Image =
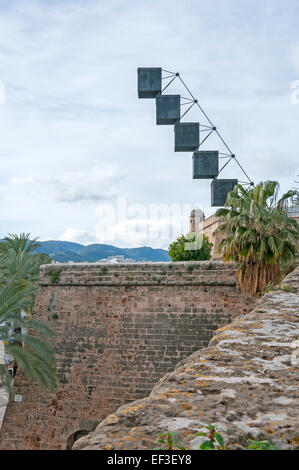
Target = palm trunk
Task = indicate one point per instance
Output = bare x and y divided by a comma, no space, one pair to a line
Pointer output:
256,276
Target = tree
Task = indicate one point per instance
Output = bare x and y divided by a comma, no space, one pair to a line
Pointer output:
44,258
19,273
259,236
191,247
17,261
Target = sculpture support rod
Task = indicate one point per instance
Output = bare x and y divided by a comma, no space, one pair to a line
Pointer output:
208,119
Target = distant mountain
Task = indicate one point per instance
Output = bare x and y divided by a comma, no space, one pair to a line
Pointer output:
67,251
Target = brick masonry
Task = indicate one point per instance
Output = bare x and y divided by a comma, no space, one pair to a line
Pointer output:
119,328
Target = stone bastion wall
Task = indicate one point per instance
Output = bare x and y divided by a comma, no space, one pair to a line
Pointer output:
120,328
245,383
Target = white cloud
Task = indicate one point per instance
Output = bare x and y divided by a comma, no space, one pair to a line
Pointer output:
77,236
89,185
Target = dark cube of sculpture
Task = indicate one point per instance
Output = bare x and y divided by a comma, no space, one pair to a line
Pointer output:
186,136
168,109
220,189
205,164
149,82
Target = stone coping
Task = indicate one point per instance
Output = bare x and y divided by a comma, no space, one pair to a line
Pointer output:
207,264
197,273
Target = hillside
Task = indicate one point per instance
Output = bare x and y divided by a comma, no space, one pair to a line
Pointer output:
62,252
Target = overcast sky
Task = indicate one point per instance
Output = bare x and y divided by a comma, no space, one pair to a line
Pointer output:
76,140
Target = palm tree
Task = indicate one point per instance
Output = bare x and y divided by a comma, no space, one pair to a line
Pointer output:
33,355
16,253
19,273
259,236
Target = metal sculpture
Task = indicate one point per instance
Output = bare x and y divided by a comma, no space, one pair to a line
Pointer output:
187,134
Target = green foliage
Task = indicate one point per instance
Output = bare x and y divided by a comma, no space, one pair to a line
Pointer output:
27,341
271,287
207,445
44,258
54,275
170,441
259,236
18,263
214,439
261,445
191,247
190,267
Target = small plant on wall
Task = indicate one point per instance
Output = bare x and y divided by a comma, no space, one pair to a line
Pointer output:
213,441
169,441
54,275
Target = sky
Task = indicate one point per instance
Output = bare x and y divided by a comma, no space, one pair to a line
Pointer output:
81,156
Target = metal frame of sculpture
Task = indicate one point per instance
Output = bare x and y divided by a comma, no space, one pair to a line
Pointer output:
187,135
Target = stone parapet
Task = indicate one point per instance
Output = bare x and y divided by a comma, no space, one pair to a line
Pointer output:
139,274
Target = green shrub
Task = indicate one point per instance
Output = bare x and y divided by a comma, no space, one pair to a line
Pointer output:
191,247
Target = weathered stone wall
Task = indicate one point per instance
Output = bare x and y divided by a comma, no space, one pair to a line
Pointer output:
245,382
120,328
